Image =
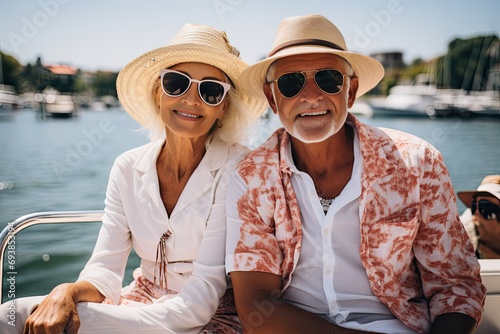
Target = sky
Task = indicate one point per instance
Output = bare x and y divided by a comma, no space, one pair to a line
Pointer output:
107,34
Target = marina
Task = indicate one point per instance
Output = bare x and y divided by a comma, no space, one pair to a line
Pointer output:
59,165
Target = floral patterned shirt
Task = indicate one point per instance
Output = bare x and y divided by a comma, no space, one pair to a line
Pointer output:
417,255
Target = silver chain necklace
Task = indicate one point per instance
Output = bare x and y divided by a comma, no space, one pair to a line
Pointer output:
326,202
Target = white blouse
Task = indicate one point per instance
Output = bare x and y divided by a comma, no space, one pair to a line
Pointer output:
134,216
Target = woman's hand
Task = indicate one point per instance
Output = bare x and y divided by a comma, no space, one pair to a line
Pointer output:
57,313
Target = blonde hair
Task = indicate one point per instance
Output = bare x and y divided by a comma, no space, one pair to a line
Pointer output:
235,122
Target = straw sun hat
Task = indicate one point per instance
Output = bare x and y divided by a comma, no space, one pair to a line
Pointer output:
193,43
312,34
490,186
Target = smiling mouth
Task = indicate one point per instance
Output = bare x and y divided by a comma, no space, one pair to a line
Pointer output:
316,113
187,115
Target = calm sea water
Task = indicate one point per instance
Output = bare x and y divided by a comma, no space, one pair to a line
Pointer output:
63,164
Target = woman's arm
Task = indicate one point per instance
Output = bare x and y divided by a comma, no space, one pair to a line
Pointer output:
57,311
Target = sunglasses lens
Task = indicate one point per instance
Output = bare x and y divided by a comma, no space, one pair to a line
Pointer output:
211,92
291,84
330,81
487,209
175,84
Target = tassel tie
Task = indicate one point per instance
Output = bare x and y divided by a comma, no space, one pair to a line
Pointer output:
161,260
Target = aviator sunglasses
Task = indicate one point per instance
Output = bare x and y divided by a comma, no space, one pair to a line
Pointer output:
486,208
175,84
329,81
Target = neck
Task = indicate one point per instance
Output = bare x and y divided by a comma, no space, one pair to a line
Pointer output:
329,163
333,153
180,156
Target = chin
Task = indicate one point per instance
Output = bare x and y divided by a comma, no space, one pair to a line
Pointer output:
312,137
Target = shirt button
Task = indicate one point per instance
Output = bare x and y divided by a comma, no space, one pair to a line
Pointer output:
379,283
328,271
325,231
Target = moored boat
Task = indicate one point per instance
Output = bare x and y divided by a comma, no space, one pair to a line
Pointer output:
56,104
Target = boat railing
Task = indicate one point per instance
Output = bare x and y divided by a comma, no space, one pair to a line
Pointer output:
7,236
490,269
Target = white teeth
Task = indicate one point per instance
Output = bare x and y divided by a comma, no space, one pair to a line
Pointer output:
187,115
318,113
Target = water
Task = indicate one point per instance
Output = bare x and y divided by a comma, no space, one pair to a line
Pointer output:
63,164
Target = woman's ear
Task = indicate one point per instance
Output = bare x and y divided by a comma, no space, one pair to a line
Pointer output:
157,95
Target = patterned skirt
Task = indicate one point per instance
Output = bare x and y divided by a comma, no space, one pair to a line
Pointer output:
142,291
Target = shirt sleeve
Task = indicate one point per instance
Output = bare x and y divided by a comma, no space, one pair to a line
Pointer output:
251,243
450,271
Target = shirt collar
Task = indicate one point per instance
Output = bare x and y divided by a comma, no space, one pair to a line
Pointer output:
214,158
373,156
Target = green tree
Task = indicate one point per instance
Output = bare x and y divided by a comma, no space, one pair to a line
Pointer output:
468,62
104,83
410,73
34,78
9,70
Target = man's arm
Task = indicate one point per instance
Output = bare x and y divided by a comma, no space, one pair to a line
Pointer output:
453,323
257,296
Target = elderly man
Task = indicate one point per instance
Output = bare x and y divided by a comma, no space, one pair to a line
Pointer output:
335,226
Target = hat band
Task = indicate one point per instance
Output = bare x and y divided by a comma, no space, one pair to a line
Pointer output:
311,41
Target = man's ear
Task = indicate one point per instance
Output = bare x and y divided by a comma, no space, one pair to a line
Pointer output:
270,97
353,89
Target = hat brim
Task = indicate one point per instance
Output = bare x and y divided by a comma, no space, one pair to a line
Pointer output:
467,196
368,70
135,81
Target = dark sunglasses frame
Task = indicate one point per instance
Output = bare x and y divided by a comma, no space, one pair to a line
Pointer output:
304,76
487,209
225,86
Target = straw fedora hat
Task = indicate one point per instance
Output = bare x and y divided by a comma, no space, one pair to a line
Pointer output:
193,43
312,34
490,186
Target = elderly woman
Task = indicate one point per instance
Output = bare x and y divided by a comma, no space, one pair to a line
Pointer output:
166,199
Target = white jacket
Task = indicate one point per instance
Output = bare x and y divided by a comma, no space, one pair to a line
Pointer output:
136,217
